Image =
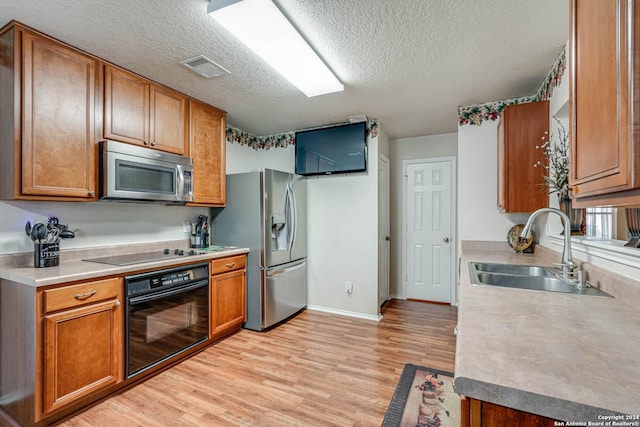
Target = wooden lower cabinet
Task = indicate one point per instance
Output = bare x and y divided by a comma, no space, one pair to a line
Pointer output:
228,295
82,342
476,413
64,344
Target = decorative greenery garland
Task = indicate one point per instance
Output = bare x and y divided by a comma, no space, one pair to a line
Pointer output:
476,114
278,140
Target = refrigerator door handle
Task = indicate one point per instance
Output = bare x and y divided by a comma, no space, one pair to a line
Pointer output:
290,217
294,215
294,267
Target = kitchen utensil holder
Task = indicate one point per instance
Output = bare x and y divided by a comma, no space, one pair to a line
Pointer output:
199,240
46,255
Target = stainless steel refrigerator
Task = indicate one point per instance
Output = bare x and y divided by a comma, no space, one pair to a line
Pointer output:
266,212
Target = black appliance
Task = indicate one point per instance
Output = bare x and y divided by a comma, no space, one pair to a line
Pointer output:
140,258
167,313
331,150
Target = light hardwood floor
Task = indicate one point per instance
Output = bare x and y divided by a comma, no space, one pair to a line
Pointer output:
317,369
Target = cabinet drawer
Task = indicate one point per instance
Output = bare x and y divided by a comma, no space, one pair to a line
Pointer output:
224,265
75,295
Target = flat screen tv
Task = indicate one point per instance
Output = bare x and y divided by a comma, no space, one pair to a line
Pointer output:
332,150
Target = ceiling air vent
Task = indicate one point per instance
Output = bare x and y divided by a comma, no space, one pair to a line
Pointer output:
205,67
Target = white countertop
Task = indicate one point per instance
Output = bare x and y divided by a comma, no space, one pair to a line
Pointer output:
567,357
70,271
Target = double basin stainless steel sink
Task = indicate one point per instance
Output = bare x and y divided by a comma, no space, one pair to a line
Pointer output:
530,277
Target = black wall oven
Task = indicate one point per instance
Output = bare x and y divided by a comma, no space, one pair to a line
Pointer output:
167,313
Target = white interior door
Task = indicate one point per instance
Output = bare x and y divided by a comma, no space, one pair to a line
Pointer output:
383,230
429,237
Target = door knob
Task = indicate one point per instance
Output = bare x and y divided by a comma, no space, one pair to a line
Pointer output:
446,240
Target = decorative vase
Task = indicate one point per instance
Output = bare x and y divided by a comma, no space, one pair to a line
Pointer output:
576,216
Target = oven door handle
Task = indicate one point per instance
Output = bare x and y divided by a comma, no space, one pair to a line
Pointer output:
155,296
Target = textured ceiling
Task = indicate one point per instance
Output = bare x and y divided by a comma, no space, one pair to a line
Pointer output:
408,63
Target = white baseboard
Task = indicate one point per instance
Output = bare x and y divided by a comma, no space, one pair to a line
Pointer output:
345,313
401,297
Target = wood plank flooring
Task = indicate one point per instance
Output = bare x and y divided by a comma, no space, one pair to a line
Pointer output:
317,369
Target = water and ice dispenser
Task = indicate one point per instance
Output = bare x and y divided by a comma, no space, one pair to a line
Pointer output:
279,232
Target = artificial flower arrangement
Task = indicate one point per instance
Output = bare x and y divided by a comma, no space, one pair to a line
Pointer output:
557,167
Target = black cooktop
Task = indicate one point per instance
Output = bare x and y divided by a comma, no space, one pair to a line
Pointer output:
141,258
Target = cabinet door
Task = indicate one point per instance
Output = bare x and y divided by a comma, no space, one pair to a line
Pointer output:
521,185
58,127
605,155
82,348
168,120
126,107
228,308
207,145
476,413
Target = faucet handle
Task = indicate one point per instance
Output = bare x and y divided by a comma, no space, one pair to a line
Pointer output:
571,264
581,278
577,277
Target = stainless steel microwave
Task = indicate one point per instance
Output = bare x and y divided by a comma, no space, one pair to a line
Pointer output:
129,172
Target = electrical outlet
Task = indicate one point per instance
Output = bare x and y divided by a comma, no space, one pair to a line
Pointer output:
348,288
186,227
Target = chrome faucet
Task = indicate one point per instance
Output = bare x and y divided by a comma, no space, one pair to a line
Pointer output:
568,264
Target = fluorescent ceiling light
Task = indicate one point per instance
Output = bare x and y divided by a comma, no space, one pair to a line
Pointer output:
261,26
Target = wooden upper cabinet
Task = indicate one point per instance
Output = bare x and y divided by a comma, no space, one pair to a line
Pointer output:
207,145
521,186
168,120
49,113
605,147
138,111
126,107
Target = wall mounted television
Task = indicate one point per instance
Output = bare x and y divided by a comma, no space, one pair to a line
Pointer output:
332,149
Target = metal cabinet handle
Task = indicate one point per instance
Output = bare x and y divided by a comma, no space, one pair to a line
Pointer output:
91,193
446,240
116,303
85,296
230,264
146,142
153,144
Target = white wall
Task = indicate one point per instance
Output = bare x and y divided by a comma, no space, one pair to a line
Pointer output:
478,216
445,145
342,215
383,144
342,212
282,159
241,158
559,108
99,223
